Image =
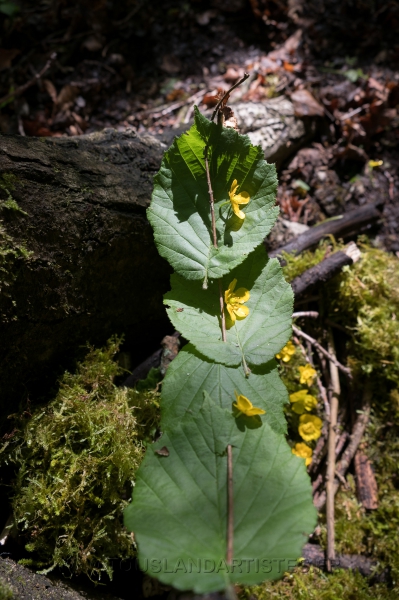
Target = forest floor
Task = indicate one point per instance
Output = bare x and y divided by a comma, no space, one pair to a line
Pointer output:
130,65
124,65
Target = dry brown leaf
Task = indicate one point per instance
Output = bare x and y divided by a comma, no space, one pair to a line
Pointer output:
66,97
50,89
305,105
171,64
233,74
6,57
92,44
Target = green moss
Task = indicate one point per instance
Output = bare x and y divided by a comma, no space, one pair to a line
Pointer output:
365,300
77,459
298,264
375,533
313,584
7,184
6,592
11,255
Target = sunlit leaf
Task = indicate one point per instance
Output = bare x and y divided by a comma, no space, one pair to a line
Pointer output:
179,509
180,208
190,374
257,338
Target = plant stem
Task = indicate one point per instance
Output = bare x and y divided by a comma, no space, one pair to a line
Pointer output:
215,243
211,198
230,506
335,392
227,94
222,315
230,593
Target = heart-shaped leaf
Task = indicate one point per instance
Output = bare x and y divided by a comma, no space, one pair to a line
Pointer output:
257,338
190,374
180,207
179,509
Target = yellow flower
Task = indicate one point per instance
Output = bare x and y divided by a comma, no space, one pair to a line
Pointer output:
245,406
310,427
303,451
287,352
302,401
237,199
375,163
234,301
307,374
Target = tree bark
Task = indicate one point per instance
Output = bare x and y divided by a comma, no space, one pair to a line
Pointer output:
93,270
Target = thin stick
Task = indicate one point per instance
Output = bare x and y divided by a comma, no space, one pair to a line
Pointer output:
322,389
230,506
227,94
223,316
334,398
20,90
327,354
305,313
355,439
211,198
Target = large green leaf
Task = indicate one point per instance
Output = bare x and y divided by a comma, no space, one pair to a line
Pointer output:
190,374
195,313
179,508
180,209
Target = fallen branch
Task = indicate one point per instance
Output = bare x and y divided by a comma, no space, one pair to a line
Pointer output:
20,90
366,484
314,555
326,269
327,354
342,226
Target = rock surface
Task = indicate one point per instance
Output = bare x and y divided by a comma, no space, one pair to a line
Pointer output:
273,125
28,585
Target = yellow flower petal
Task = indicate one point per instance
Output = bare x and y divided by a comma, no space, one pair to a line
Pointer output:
246,407
241,295
233,188
310,427
302,401
307,374
303,451
240,311
375,163
232,286
242,198
287,352
235,299
230,308
237,199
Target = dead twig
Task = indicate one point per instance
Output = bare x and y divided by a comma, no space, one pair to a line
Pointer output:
366,483
20,90
227,94
305,313
161,111
334,400
327,354
355,439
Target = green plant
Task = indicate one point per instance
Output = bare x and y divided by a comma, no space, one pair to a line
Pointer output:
77,458
220,498
6,592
